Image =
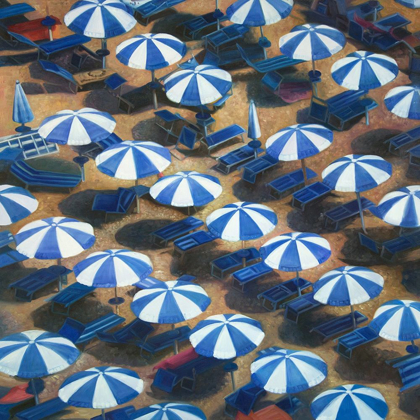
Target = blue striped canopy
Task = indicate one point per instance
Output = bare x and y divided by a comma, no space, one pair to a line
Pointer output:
348,285
356,173
254,130
133,159
295,251
412,4
401,207
113,268
169,411
77,128
286,371
22,112
36,353
259,12
99,18
186,189
404,101
299,141
398,320
203,85
151,51
312,42
364,70
226,336
54,238
16,203
170,302
101,387
241,221
350,402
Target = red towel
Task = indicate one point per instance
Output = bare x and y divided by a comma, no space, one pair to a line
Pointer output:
16,395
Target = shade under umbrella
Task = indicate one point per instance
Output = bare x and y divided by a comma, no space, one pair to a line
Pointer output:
169,411
404,101
22,112
16,203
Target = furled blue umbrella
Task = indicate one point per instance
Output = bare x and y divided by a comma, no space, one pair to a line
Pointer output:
36,353
101,19
77,128
298,142
412,4
259,13
364,70
169,411
404,101
16,203
350,402
101,387
357,173
226,336
151,52
254,130
398,320
22,112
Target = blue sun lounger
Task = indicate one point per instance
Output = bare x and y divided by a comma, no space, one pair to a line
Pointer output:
288,183
398,144
15,10
409,370
300,305
245,276
220,266
43,410
118,203
193,27
225,36
174,230
403,243
370,243
222,136
243,399
136,330
9,256
257,166
192,242
92,150
360,336
153,7
309,195
117,414
232,55
233,159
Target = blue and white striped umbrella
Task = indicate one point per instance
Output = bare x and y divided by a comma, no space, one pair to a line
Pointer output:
241,221
186,189
170,302
169,411
226,336
54,238
203,85
22,112
15,204
288,371
404,101
113,268
364,70
254,130
133,159
77,128
412,4
101,387
350,402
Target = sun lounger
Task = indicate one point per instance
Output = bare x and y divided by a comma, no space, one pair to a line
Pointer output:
339,325
148,282
243,399
8,255
398,361
409,370
118,203
309,195
193,27
347,343
415,156
220,266
242,278
369,243
136,330
257,166
300,305
232,55
222,136
403,243
170,118
225,36
273,297
339,117
188,137
17,9
153,7
177,360
233,159
92,150
398,144
192,242
43,410
174,230
79,333
287,184
117,414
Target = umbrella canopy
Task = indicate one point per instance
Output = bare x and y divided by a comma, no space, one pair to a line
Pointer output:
169,411
412,4
133,159
15,204
364,70
151,51
254,130
203,85
170,302
350,402
113,268
288,371
54,238
226,336
77,128
186,189
241,221
101,387
22,112
404,101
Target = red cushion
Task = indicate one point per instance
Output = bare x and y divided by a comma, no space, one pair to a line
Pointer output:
16,395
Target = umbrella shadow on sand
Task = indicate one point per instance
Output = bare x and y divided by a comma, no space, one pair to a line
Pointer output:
373,142
11,274
170,22
148,130
406,403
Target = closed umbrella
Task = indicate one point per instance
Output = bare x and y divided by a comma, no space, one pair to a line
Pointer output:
169,411
254,130
16,203
404,101
22,112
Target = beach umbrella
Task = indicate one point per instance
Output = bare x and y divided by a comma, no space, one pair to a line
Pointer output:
186,189
348,286
259,13
412,4
101,19
299,142
350,402
398,320
101,387
22,112
357,173
77,128
34,354
169,411
151,52
254,130
226,336
404,101
364,70
16,203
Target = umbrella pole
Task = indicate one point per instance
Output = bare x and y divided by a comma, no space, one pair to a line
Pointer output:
315,85
217,8
175,342
305,175
353,318
117,307
104,47
60,285
297,283
103,414
35,391
137,198
262,36
155,103
359,201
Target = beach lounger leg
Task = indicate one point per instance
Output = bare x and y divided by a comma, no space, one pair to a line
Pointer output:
359,201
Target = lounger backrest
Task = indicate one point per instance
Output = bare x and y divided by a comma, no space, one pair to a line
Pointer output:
165,380
72,329
125,198
244,56
187,138
23,39
58,70
356,30
245,401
